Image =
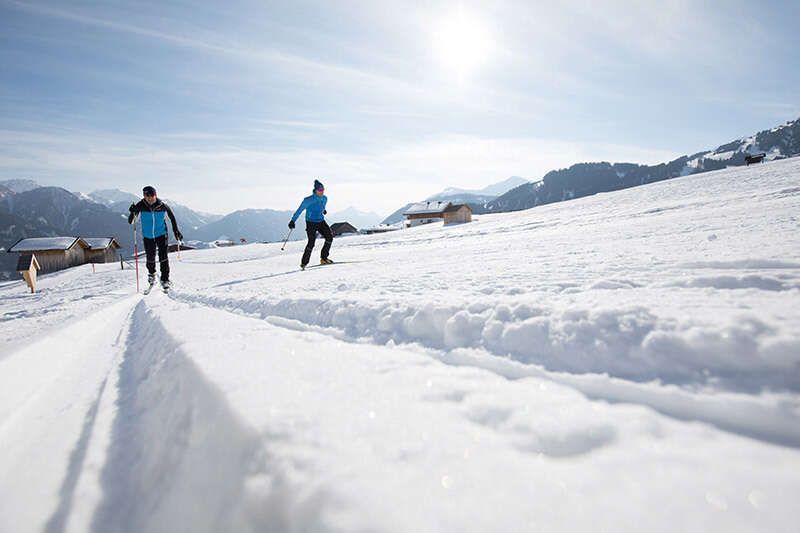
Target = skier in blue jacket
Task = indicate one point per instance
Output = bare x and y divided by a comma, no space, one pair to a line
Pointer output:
153,214
314,206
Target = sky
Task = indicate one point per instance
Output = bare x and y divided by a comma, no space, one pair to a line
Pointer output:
242,104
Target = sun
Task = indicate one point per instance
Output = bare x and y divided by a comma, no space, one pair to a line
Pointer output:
462,44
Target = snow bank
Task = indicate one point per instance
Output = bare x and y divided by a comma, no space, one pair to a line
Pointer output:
632,343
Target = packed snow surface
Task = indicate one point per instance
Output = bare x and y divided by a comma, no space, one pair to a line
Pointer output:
628,361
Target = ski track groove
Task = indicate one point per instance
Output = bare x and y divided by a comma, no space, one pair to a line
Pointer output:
59,519
732,413
150,484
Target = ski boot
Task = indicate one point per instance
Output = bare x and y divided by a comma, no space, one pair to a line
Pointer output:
325,261
302,266
165,285
151,280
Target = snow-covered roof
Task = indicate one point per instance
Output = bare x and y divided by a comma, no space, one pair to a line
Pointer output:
39,244
101,243
425,208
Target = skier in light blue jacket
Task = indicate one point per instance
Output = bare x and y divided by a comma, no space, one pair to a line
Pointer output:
314,206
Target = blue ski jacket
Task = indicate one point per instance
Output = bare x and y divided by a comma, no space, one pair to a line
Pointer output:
154,218
314,206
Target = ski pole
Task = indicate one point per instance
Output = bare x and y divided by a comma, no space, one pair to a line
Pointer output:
136,252
180,243
287,238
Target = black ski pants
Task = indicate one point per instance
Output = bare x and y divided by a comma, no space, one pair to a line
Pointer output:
311,230
150,246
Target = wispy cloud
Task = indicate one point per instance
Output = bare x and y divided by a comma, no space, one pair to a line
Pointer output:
262,97
273,179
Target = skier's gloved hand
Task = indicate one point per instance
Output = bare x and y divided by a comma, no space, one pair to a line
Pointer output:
132,208
178,235
325,212
291,224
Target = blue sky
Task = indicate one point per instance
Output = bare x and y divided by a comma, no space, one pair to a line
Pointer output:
242,104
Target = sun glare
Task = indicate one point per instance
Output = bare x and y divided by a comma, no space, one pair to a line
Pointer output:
462,44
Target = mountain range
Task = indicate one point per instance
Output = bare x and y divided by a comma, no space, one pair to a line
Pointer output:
28,210
53,211
475,198
584,179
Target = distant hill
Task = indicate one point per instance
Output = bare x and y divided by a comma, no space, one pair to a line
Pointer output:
18,186
476,198
490,191
109,197
397,216
584,179
359,219
251,224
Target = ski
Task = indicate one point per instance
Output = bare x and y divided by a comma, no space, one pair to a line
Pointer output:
332,263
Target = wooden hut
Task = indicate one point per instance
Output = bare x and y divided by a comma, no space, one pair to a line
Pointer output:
53,253
342,228
457,214
425,213
102,250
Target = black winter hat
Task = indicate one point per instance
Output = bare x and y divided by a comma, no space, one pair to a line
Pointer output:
318,185
149,190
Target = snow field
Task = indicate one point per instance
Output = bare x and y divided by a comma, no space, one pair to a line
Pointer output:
628,361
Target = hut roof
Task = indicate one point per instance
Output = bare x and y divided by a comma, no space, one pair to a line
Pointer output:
427,208
46,244
101,243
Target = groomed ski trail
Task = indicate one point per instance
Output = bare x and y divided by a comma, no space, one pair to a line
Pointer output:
274,420
773,418
50,393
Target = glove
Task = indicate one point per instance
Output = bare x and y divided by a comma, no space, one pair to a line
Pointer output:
325,212
132,208
178,235
291,224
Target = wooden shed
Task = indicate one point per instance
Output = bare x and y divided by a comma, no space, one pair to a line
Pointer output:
54,253
102,250
342,228
425,213
457,214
